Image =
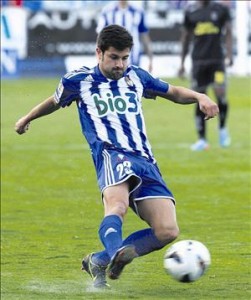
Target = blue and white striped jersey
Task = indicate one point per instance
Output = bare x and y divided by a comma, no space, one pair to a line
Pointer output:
132,18
110,111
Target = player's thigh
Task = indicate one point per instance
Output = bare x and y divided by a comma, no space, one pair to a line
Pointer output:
200,79
158,213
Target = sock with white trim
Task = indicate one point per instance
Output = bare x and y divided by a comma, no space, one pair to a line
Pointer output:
110,233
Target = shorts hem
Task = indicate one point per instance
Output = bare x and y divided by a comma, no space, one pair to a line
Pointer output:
121,181
150,197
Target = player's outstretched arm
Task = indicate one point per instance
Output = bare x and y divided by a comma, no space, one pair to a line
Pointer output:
184,95
45,108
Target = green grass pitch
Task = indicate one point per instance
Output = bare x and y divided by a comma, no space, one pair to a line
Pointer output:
51,208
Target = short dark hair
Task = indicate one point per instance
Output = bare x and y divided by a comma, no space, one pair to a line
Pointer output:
114,36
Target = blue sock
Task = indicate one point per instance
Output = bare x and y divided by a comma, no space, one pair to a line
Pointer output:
144,241
101,258
110,233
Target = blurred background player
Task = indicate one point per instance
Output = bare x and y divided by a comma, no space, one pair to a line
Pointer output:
132,18
208,24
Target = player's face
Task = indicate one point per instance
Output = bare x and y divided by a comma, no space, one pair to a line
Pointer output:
112,62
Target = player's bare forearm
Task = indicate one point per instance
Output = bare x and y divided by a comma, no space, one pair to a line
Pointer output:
46,107
184,95
181,95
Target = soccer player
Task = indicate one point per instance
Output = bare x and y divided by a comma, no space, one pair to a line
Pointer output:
133,19
109,101
208,24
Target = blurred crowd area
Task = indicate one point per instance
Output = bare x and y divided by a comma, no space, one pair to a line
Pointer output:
96,4
78,4
42,35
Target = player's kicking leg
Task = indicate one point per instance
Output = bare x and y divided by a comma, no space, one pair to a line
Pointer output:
121,258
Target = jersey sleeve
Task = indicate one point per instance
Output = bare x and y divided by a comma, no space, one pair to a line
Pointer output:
66,92
152,87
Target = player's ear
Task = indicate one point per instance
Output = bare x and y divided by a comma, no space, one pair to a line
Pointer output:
98,52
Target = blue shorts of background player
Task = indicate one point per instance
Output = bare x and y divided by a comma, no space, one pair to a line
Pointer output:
140,186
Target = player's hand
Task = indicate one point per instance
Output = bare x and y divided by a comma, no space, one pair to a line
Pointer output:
208,107
22,125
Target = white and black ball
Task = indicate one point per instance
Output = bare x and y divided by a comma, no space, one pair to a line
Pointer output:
187,260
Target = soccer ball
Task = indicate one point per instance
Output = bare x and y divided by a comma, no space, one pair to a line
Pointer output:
187,260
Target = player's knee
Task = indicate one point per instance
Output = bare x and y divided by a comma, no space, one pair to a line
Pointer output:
167,234
116,208
120,209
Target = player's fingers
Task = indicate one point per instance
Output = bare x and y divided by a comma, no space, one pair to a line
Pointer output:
20,129
211,115
207,118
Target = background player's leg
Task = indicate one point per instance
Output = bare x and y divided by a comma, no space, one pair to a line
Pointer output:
200,81
220,94
200,123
